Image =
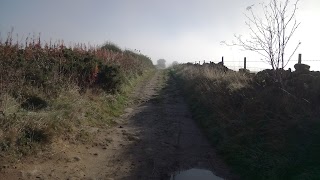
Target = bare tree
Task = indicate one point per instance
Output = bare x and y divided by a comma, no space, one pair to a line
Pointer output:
270,33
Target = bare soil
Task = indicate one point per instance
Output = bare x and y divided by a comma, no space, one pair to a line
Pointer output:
155,137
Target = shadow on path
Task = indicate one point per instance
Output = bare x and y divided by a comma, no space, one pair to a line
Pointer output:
161,138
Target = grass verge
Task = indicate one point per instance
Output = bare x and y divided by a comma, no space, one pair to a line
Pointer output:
262,131
50,92
69,117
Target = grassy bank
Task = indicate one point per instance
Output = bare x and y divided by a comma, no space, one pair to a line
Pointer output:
50,92
262,129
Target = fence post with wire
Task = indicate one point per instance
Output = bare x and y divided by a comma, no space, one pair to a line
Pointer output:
248,65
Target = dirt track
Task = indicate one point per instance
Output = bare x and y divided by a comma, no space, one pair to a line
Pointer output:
154,138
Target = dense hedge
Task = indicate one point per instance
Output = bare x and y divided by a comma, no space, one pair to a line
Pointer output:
51,67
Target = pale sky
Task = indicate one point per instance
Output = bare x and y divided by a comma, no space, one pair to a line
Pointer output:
176,30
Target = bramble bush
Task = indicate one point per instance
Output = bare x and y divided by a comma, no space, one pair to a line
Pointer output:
51,67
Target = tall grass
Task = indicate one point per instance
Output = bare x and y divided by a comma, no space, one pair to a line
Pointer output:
263,132
50,91
50,64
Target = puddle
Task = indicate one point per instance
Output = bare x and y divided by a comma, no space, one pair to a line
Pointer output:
194,174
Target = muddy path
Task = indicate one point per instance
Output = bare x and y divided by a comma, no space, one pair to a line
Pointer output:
154,138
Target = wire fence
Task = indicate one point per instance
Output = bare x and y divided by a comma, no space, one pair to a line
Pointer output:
258,65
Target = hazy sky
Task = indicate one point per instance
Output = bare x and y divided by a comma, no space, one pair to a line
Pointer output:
176,30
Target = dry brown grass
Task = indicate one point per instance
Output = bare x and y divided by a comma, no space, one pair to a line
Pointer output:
215,77
68,117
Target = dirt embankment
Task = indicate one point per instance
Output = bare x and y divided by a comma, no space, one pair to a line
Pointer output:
154,138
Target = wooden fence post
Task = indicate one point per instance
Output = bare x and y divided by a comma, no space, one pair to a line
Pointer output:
299,58
245,63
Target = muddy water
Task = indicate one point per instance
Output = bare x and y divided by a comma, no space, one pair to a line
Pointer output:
194,174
